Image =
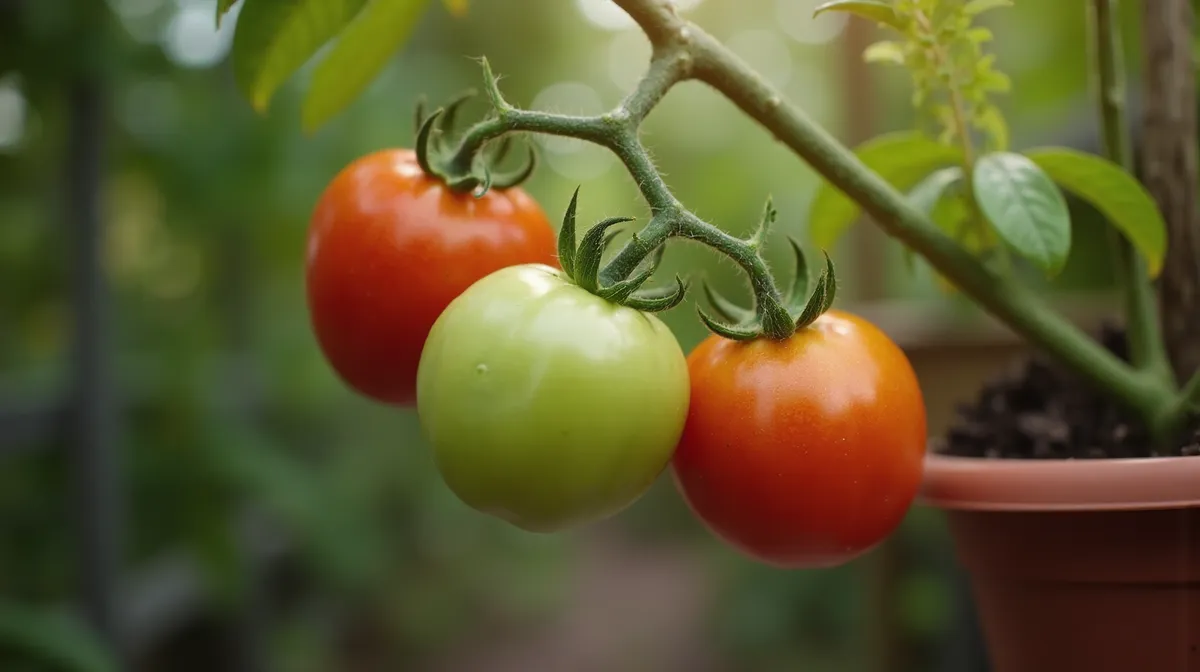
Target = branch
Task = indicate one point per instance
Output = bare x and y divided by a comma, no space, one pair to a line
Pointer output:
617,130
1013,304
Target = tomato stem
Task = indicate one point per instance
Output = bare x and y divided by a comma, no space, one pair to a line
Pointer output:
681,50
1016,306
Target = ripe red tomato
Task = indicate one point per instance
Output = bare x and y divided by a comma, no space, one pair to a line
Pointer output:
805,452
388,249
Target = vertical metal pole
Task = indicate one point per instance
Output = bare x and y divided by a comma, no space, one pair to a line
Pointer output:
96,482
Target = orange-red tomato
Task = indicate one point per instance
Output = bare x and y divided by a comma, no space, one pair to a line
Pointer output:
806,452
388,249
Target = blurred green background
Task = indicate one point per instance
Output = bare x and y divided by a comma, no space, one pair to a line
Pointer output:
274,520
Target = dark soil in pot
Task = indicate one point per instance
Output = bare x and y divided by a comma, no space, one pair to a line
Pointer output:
1043,411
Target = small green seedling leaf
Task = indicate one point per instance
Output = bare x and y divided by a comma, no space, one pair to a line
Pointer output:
977,7
362,50
873,10
1114,193
273,39
901,159
566,237
1025,207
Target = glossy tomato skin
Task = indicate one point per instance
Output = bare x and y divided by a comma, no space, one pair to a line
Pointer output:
547,406
389,248
807,452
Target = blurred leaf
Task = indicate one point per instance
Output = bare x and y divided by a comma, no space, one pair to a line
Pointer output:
926,195
975,7
902,159
361,52
874,10
275,37
1025,207
223,6
884,52
456,7
1112,191
56,639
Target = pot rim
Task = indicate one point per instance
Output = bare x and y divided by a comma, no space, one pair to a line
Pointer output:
1123,484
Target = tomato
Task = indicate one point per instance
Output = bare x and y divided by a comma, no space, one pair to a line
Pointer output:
547,406
805,452
388,249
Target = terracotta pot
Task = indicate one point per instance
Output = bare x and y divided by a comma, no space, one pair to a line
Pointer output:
1078,565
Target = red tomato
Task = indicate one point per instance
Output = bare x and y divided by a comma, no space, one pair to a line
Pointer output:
388,249
805,452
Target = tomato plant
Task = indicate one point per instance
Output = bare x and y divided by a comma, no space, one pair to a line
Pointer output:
804,452
389,247
547,401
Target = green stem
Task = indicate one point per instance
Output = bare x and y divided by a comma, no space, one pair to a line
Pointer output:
618,131
1014,305
1147,349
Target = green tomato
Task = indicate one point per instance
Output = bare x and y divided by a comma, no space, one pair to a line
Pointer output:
547,406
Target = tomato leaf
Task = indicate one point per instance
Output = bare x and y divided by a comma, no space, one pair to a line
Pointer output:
1025,207
926,195
901,159
223,7
362,50
874,10
274,38
1114,193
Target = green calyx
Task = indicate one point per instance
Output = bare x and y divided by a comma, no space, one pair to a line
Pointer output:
582,264
439,157
799,309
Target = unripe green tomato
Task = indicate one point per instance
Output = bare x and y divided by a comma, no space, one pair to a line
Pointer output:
547,406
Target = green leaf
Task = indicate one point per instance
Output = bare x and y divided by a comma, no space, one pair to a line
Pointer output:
1114,193
1025,207
926,195
362,50
53,639
884,52
901,159
223,7
275,38
977,7
874,10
